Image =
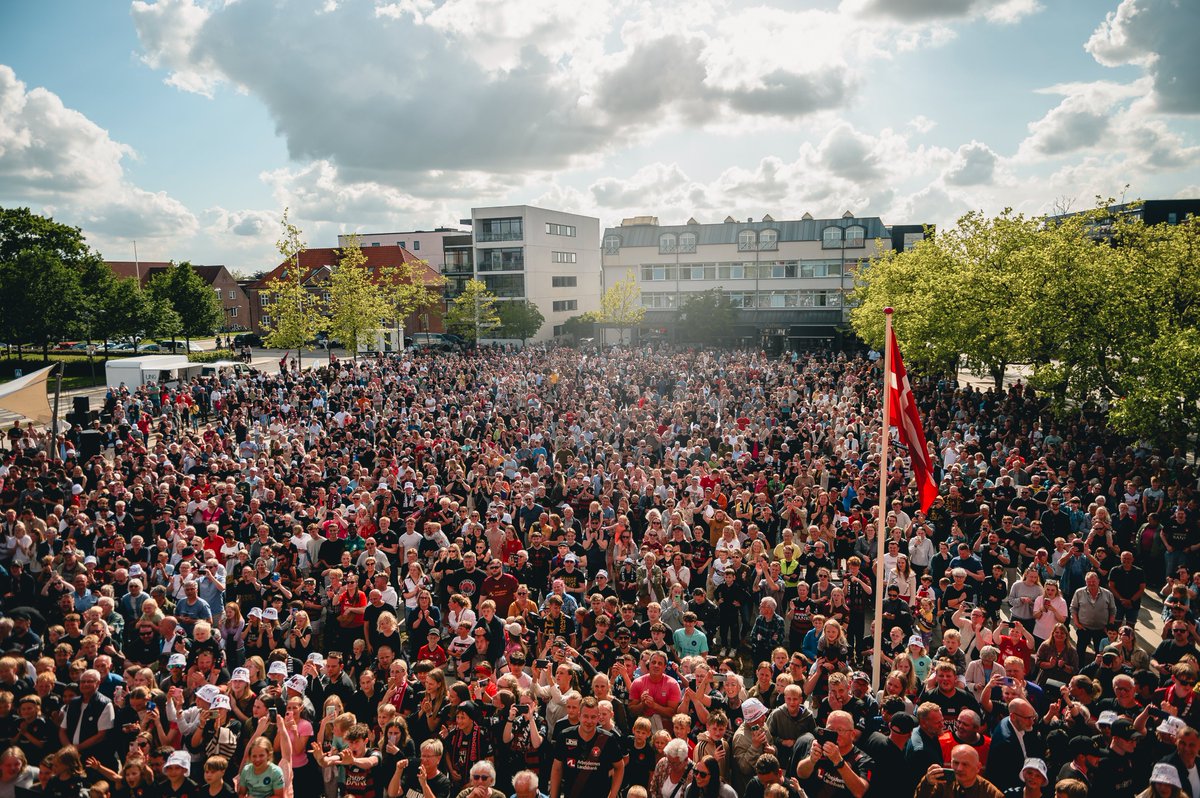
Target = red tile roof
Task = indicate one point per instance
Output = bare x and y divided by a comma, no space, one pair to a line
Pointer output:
313,260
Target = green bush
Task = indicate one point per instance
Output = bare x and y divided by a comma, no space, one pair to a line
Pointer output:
213,356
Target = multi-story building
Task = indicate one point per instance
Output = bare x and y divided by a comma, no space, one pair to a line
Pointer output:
786,280
317,264
233,299
424,244
550,258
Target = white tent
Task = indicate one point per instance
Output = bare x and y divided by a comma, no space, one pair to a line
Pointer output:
26,396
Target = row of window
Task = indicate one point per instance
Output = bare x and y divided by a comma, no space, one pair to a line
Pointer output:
508,229
772,270
853,237
502,259
748,299
416,247
553,229
561,305
564,281
562,257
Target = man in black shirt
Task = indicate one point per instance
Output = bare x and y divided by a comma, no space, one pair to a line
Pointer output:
587,760
1128,584
835,767
949,697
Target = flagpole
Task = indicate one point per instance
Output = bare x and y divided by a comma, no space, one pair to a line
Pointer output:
883,477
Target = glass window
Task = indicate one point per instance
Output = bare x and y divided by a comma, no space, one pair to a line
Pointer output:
612,245
747,241
687,242
502,259
565,281
856,237
911,239
416,246
509,229
831,238
561,305
666,243
562,257
768,239
560,229
505,285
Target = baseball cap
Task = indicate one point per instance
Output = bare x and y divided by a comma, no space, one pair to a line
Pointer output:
1124,729
179,759
601,573
1082,745
903,723
859,676
1033,763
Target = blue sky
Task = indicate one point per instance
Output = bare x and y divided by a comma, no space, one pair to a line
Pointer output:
189,125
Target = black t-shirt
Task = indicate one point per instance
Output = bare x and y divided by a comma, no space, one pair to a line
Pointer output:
951,705
188,789
467,583
640,765
586,764
827,782
1127,582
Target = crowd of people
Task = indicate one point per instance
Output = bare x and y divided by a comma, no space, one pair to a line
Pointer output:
555,574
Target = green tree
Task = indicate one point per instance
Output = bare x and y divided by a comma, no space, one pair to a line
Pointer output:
409,288
39,298
191,297
706,316
20,229
519,319
581,326
621,305
473,313
356,306
294,314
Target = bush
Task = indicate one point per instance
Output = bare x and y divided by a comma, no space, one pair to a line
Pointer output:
212,356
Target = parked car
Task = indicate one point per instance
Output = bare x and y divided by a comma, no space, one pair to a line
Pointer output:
179,347
439,341
253,340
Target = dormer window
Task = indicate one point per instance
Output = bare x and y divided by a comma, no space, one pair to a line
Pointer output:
768,239
856,237
612,245
747,241
666,243
831,238
687,242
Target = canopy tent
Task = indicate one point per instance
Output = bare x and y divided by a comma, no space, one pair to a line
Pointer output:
26,396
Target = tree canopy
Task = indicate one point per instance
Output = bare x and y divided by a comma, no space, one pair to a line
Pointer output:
293,314
191,298
706,316
519,319
473,313
356,306
1102,309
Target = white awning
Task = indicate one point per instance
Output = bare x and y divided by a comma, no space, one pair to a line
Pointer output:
26,396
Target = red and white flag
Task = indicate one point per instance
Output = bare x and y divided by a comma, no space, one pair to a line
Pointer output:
906,417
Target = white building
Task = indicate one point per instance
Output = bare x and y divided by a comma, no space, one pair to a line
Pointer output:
786,280
550,258
425,244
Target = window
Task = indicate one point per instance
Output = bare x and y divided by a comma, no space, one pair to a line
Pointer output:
856,237
562,305
612,245
459,260
233,311
400,244
562,257
416,246
666,243
569,281
502,259
660,301
374,243
768,239
560,229
218,292
508,229
505,285
687,242
560,329
831,238
747,241
911,239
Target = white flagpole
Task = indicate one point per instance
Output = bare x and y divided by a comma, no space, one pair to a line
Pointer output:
883,477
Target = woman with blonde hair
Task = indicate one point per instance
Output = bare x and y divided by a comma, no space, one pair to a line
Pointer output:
233,627
1164,783
299,639
1048,609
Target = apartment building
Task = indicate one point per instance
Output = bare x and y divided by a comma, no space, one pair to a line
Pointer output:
424,244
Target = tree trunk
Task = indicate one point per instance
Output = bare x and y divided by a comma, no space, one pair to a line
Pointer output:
998,376
45,351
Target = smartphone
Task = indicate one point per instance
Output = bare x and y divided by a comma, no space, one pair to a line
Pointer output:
948,774
272,714
1156,713
826,736
542,663
149,705
330,710
481,682
1008,681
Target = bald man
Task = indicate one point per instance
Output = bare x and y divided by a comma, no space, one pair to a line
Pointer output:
966,781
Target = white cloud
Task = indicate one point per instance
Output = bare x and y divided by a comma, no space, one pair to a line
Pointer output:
56,158
915,11
1081,121
1160,36
168,30
974,164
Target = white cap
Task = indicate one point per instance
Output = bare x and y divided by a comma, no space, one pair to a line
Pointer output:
179,759
1165,773
270,614
207,692
1033,763
752,710
601,573
220,702
1106,718
136,570
89,560
255,612
76,489
277,668
299,683
513,629
409,486
316,657
240,675
176,661
570,558
916,640
1172,726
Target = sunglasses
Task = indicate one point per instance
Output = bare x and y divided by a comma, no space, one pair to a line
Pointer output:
480,777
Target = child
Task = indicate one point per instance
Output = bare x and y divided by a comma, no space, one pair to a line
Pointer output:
640,765
920,660
136,780
68,774
433,650
681,724
214,779
358,661
462,643
260,777
177,784
924,618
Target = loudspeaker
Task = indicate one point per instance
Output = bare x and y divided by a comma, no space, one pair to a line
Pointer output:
81,405
89,444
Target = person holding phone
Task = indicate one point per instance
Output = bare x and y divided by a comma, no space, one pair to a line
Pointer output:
835,767
961,780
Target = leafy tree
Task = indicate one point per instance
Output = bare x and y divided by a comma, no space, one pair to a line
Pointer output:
409,288
519,319
39,298
473,312
191,297
706,316
21,229
621,305
294,314
356,307
581,326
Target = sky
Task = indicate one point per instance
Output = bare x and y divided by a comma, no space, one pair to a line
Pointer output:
188,126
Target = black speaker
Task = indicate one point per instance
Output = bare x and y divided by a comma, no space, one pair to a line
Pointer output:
89,444
81,405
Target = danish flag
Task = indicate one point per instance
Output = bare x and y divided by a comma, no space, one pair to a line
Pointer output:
904,415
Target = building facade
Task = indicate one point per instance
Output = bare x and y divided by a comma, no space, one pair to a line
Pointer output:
230,293
316,265
786,280
424,244
550,258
